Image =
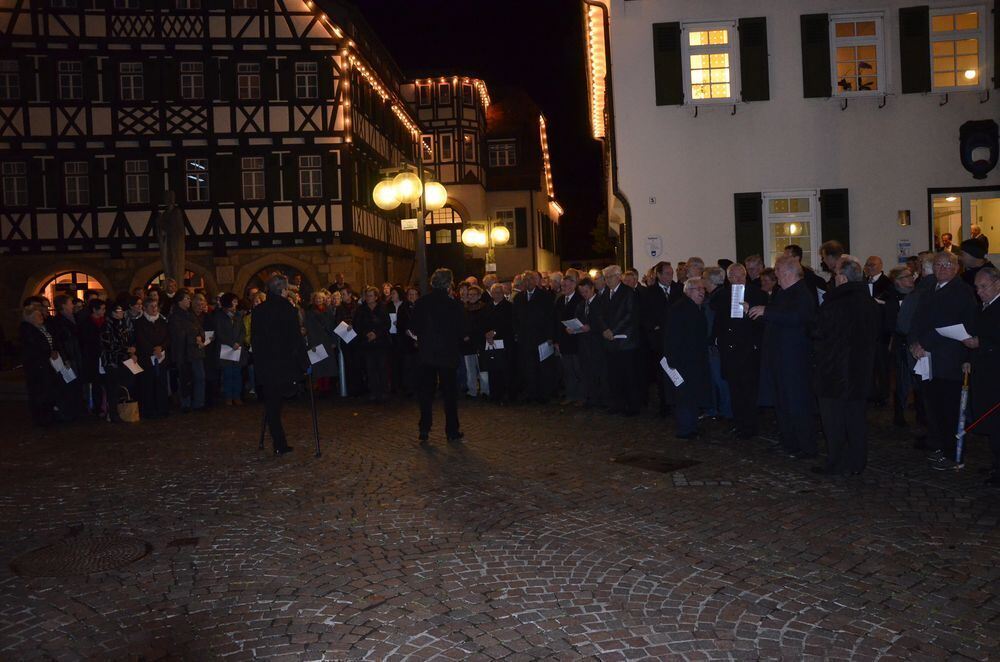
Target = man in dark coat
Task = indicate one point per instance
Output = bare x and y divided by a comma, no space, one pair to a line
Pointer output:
973,258
786,357
848,327
153,353
279,354
813,281
569,343
494,359
686,351
984,380
880,288
656,300
620,330
65,333
533,316
739,340
593,367
437,324
952,302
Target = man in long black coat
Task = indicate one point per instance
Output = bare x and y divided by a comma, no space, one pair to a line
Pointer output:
686,351
279,354
494,360
847,331
786,357
569,343
620,329
591,345
534,322
739,341
984,386
65,333
656,300
438,325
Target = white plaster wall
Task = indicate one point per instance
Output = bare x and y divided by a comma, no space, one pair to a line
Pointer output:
887,157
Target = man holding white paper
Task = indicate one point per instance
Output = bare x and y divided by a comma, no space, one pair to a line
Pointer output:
567,340
534,322
686,350
620,329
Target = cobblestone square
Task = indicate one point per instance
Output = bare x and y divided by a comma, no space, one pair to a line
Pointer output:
527,542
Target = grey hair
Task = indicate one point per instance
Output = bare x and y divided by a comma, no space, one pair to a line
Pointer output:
851,270
692,283
442,279
277,284
990,272
714,275
733,268
789,263
612,270
696,261
898,272
951,257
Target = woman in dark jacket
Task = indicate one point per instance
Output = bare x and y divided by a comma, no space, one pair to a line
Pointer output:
686,351
90,326
38,349
231,332
407,342
477,323
117,346
152,341
371,323
187,343
320,323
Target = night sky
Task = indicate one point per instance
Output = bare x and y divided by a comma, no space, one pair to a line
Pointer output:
537,45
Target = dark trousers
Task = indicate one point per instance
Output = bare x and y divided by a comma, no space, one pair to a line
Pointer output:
846,434
942,397
572,377
995,449
744,383
274,400
153,402
375,374
534,375
431,377
624,385
687,418
880,379
593,373
797,428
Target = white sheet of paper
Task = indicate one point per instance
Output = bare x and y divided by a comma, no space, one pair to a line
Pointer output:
672,373
392,322
209,336
67,374
317,354
100,367
133,366
736,301
923,367
819,296
227,353
57,364
495,344
574,325
621,336
955,332
545,350
346,333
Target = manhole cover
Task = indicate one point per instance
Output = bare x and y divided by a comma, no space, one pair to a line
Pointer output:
81,556
653,462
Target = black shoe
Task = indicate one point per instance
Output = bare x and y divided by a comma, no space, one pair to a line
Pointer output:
457,439
283,451
423,437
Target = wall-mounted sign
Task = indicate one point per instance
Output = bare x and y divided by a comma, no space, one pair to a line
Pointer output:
654,246
409,223
904,249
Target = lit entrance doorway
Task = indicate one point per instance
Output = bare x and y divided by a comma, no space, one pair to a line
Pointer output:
192,281
443,237
73,283
954,212
295,278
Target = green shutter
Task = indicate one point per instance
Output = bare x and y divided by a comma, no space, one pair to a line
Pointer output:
835,216
667,64
749,224
815,55
915,49
754,80
521,226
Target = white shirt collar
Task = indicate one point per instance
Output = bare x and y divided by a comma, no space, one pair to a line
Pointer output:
991,302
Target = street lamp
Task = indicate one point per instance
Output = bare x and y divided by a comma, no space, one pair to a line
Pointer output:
494,234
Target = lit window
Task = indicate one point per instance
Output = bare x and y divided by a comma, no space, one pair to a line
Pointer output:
957,50
130,81
253,177
15,184
447,142
192,80
424,94
77,183
444,93
469,147
505,217
10,81
306,80
248,81
856,42
70,81
710,66
790,219
428,142
137,182
196,179
310,177
503,153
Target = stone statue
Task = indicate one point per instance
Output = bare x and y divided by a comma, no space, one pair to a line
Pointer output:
170,235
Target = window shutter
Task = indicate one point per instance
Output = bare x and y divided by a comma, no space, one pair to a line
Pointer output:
667,64
915,49
835,216
268,89
156,181
223,175
521,226
325,78
286,78
754,81
290,173
212,90
171,79
816,55
749,225
47,80
116,183
227,80
27,69
151,80
91,79
331,166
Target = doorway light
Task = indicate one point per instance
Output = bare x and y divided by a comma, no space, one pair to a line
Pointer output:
951,198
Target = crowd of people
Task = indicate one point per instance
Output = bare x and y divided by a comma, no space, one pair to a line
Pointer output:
690,341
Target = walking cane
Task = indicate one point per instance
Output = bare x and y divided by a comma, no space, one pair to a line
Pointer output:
312,404
960,435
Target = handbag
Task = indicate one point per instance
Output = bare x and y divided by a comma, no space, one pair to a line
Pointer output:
128,409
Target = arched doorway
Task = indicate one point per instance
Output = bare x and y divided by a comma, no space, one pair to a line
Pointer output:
295,278
443,238
74,283
192,281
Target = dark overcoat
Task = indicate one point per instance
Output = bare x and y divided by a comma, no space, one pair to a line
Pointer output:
279,351
786,354
686,351
984,387
437,323
847,332
952,303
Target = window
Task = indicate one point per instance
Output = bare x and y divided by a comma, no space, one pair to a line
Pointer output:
130,80
192,80
424,94
468,97
74,283
10,80
310,177
189,4
244,4
505,217
957,49
468,147
15,184
447,147
70,81
503,153
137,182
306,80
248,81
77,183
126,4
253,177
856,45
427,140
196,179
710,57
444,94
790,218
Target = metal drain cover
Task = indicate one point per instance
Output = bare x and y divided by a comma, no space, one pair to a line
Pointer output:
653,462
81,556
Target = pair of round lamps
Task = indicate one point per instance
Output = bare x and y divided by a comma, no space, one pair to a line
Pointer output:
405,187
476,238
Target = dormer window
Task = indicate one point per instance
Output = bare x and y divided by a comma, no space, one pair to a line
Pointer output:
503,153
444,94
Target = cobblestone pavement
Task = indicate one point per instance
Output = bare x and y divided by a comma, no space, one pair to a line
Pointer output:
526,543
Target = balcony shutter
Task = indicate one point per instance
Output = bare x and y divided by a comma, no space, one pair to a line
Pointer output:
521,226
835,216
91,79
325,78
754,80
915,49
268,89
816,55
331,169
667,64
749,225
212,91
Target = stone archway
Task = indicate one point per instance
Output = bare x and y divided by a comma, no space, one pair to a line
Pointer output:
35,282
146,274
252,268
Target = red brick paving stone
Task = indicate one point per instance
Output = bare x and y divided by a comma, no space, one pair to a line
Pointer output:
525,543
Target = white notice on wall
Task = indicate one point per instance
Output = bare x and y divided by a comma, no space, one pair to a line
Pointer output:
736,301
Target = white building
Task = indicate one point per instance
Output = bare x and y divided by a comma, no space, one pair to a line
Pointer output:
735,127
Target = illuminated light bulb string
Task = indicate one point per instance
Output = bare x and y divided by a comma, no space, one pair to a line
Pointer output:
598,69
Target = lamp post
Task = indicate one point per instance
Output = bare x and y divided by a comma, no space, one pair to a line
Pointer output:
496,234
